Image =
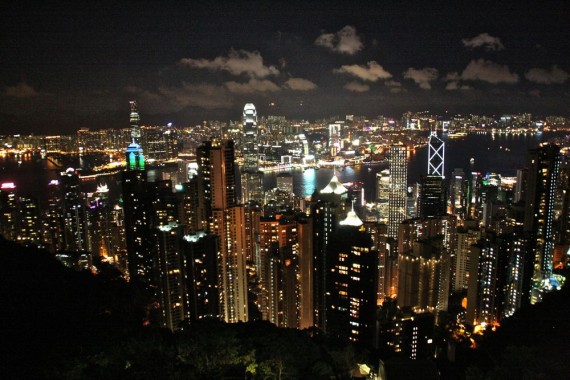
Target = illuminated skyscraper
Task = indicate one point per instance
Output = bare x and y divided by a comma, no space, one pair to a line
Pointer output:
431,202
53,217
227,220
250,138
137,210
383,193
436,156
539,214
251,178
171,289
458,193
514,246
74,213
329,207
352,283
466,237
8,205
134,121
305,239
398,186
29,232
335,138
201,251
425,248
277,270
100,223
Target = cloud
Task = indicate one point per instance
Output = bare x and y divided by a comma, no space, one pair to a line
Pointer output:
545,76
451,86
484,40
356,87
488,71
254,85
299,84
345,41
422,77
452,76
393,84
20,90
237,62
172,99
371,72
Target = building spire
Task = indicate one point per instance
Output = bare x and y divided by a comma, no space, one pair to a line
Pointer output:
351,218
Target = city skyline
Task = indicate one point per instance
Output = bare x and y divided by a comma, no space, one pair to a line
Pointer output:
67,67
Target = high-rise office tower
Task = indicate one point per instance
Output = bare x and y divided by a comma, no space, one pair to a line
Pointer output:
513,249
134,120
415,336
436,156
484,292
431,199
563,204
457,193
137,210
74,216
164,203
253,214
466,237
266,270
100,223
387,259
201,252
431,202
425,248
279,252
171,289
251,178
9,207
305,240
398,163
474,191
539,214
383,193
189,211
53,217
29,232
419,271
328,209
352,283
226,220
335,138
250,138
520,187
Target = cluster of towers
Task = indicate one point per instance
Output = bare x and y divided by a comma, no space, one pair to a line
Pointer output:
204,251
494,245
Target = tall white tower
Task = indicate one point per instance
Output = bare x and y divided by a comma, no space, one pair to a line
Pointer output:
134,122
250,139
398,188
436,156
251,177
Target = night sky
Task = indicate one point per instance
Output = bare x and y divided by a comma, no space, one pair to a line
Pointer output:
67,65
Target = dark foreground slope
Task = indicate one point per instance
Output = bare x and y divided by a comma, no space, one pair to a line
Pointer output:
63,324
